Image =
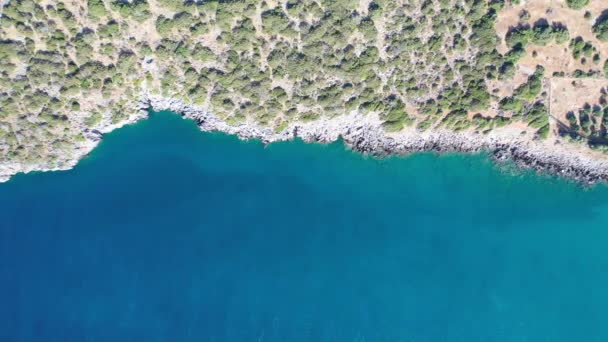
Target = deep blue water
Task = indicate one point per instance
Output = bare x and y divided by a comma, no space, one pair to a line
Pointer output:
165,233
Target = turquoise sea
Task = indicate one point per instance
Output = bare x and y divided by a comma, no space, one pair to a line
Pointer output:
165,233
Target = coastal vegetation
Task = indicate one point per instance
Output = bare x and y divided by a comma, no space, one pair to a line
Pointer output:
587,124
577,4
601,27
71,68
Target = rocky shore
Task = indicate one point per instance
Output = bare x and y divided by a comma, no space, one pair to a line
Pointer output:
364,133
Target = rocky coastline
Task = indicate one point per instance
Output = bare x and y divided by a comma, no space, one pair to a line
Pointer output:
364,134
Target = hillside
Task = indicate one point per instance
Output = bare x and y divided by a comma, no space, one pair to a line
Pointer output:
493,72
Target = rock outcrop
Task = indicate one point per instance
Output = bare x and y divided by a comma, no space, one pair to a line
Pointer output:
366,135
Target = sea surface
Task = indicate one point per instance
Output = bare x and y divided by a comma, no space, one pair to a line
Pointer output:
165,233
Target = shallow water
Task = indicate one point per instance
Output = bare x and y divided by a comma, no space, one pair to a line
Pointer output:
165,233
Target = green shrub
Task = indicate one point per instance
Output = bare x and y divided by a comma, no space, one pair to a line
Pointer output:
542,34
96,8
136,9
530,90
512,105
274,21
577,4
164,25
560,34
109,30
543,132
600,28
518,36
579,48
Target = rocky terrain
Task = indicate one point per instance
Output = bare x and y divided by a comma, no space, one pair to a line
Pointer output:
365,134
523,80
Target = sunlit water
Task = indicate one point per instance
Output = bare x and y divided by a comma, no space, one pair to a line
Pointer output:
168,234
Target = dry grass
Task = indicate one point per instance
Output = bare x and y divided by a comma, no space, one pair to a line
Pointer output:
571,94
564,93
555,58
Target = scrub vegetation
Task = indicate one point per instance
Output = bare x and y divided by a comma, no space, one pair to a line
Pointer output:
588,124
70,67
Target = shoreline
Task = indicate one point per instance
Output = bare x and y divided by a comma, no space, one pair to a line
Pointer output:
364,134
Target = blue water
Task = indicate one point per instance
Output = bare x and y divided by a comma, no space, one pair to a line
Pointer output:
165,233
